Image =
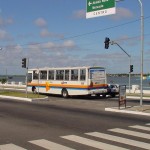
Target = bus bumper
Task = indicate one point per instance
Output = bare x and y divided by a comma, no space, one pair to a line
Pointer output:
98,91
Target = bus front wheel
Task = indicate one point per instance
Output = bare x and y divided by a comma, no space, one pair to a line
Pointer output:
64,93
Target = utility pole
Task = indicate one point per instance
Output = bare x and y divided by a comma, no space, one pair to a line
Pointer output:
142,50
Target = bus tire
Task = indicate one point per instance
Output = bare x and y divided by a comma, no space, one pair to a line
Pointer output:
104,95
113,95
97,95
64,93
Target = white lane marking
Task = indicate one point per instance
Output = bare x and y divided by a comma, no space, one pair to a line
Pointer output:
140,127
120,140
129,132
92,143
11,147
49,145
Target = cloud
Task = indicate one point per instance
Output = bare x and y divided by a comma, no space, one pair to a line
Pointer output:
11,56
122,13
5,22
25,36
45,33
51,47
114,55
40,22
4,35
49,54
130,41
79,14
69,43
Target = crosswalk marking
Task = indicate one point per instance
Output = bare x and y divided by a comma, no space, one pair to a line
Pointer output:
129,132
92,143
11,147
140,127
49,145
120,140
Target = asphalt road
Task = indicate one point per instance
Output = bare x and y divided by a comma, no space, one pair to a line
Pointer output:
60,124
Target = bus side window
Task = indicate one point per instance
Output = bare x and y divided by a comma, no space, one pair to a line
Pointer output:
51,75
29,77
59,74
35,75
43,74
66,74
74,74
82,74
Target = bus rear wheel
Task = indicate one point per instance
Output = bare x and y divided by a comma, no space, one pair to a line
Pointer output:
64,93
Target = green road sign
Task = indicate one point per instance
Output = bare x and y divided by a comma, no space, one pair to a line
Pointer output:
96,8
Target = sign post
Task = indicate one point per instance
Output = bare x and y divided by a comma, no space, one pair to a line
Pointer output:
122,95
96,8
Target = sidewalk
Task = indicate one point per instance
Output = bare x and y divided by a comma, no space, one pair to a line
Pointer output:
137,110
138,98
23,98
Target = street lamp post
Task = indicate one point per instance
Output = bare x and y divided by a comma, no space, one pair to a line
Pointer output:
142,50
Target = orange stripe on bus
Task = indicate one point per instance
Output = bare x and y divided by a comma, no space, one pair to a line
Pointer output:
68,85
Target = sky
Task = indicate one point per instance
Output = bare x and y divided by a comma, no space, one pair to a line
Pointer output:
56,33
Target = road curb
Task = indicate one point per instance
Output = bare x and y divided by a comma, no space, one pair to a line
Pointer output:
23,99
138,98
115,109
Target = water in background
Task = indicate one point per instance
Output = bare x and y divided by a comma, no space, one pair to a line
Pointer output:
17,79
111,80
125,81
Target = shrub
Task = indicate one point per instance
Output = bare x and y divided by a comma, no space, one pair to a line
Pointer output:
3,81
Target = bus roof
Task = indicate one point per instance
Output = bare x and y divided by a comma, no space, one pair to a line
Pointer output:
63,68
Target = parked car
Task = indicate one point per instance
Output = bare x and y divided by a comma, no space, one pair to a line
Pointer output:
112,90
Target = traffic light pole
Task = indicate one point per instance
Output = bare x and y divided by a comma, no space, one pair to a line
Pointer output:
112,42
27,65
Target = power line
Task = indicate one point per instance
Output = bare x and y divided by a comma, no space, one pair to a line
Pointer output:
93,43
118,40
88,33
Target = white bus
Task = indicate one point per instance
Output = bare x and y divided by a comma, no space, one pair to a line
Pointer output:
68,81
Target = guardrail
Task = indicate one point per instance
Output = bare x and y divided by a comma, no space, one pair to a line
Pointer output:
13,84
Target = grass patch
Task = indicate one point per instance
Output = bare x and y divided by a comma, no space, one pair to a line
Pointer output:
21,94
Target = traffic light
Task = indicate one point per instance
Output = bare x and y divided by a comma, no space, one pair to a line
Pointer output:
107,40
131,68
24,62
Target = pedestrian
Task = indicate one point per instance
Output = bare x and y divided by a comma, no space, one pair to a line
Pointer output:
34,89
